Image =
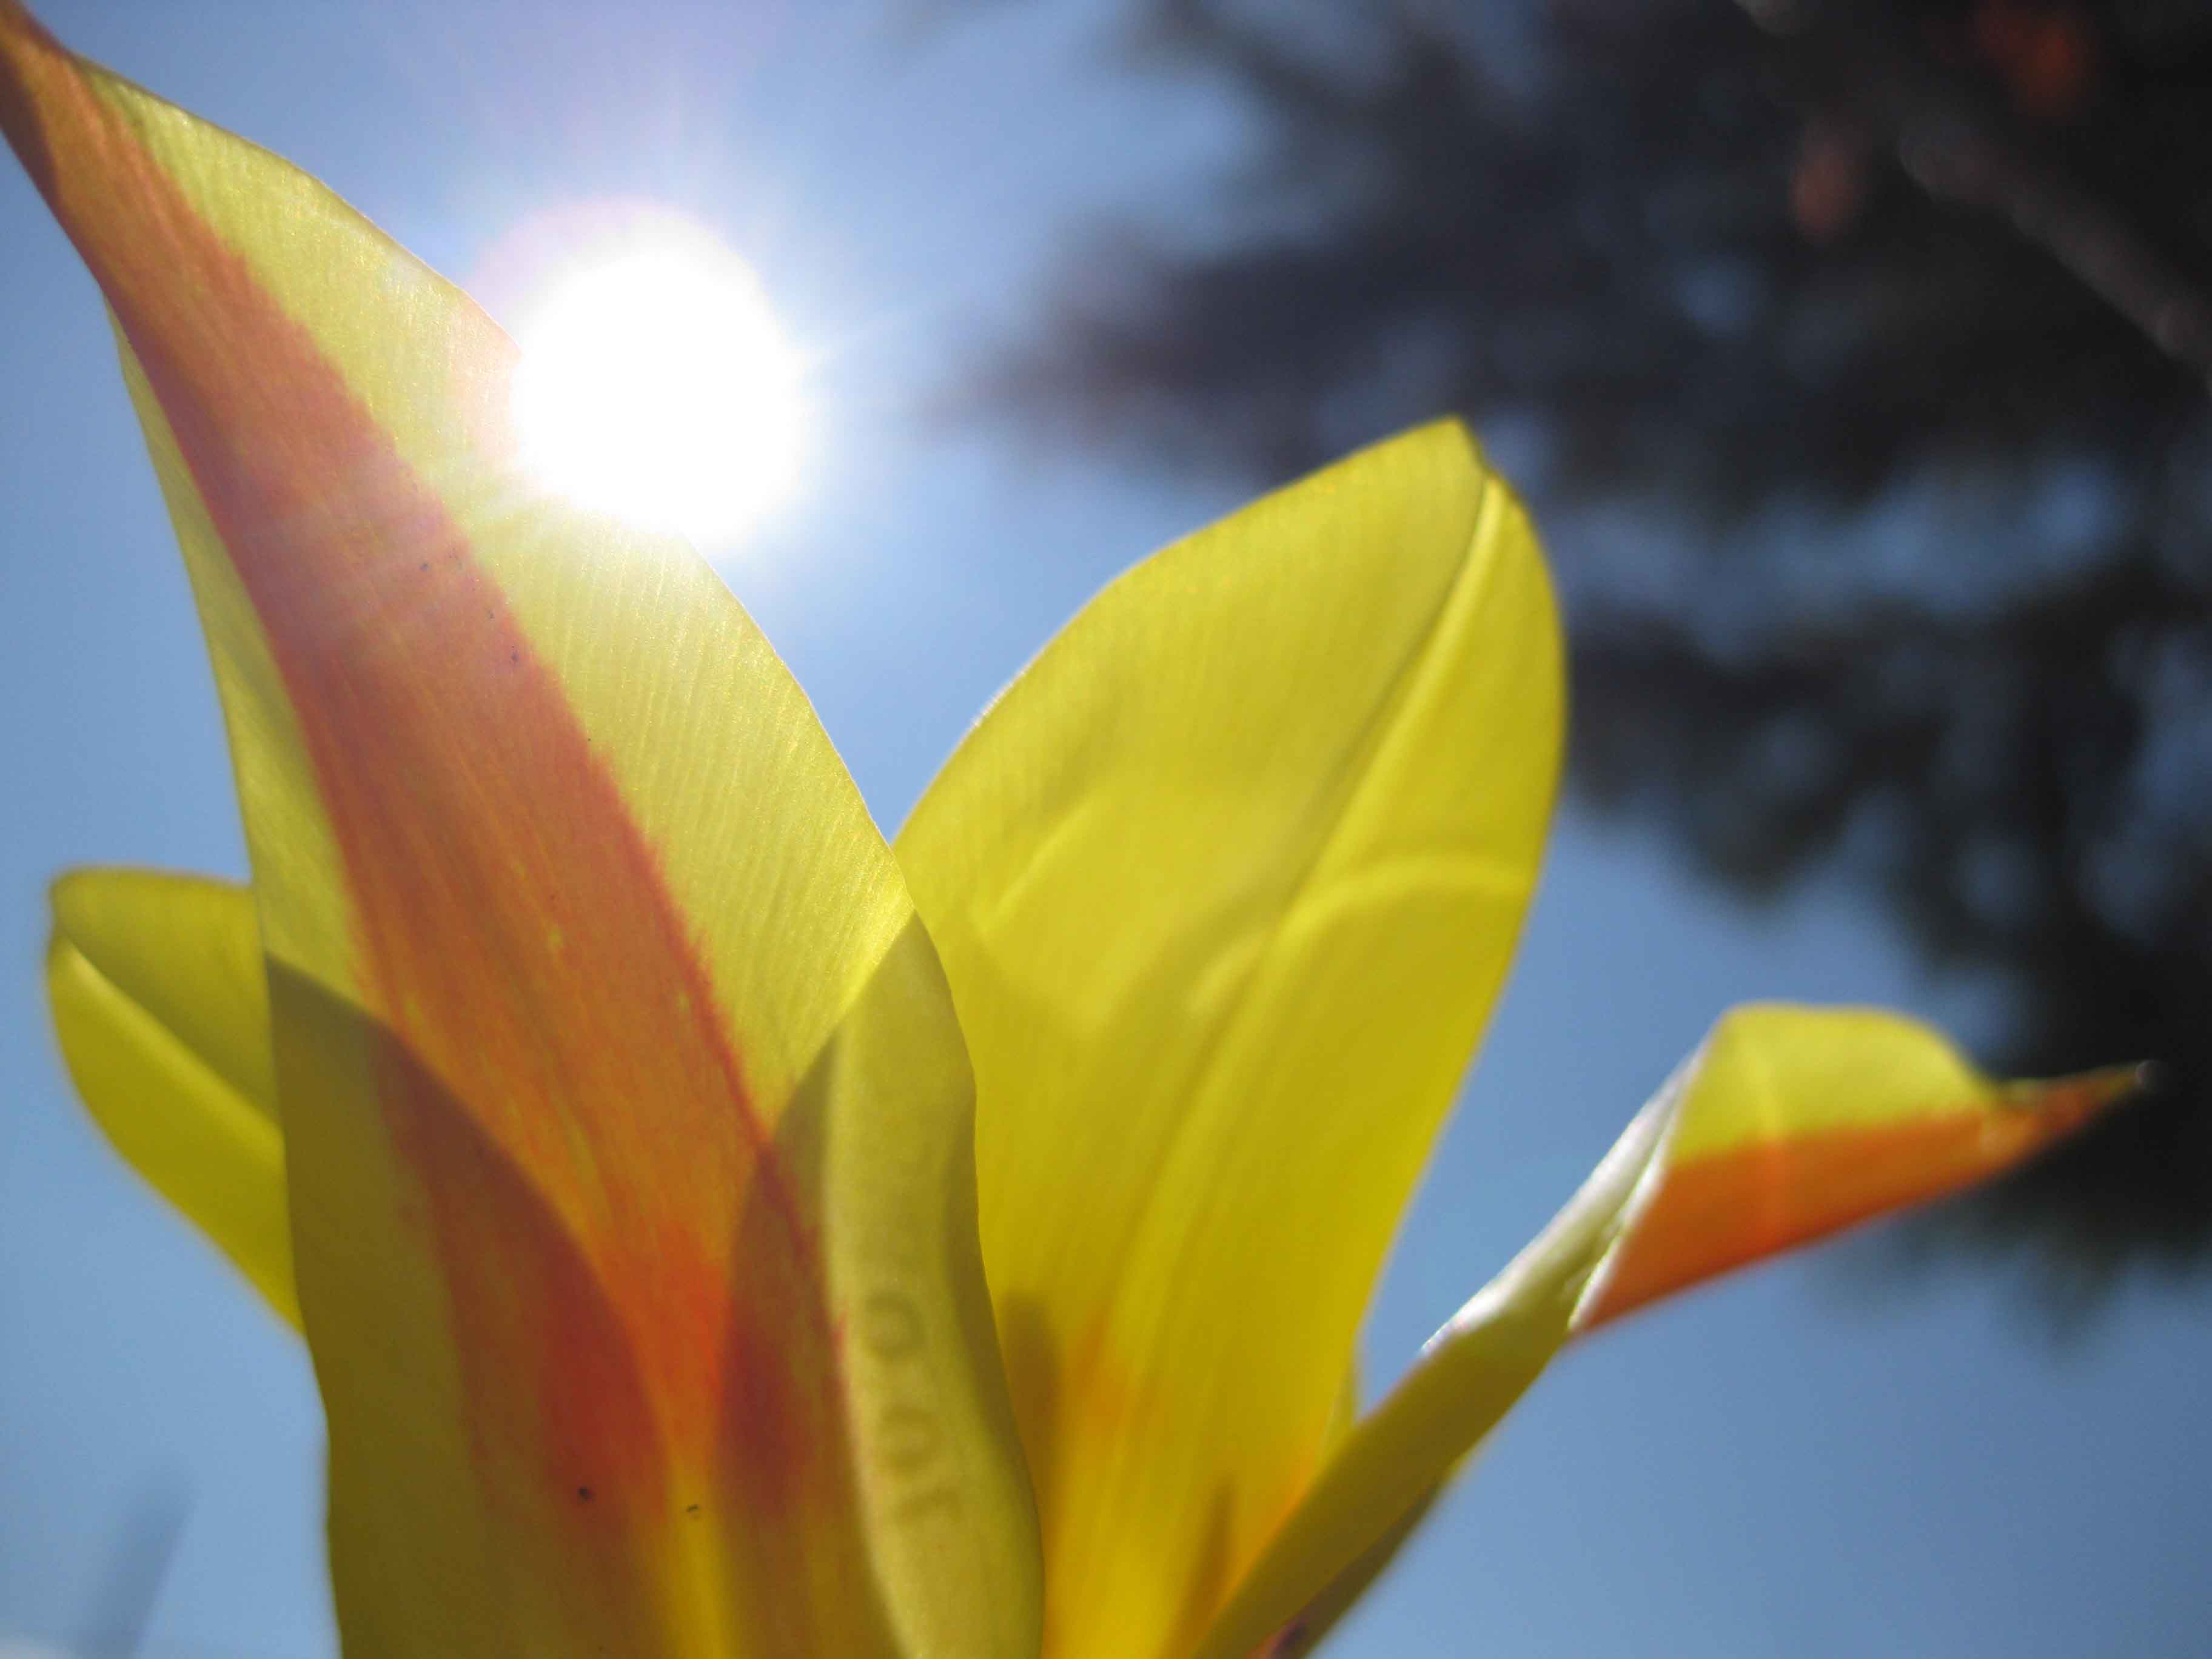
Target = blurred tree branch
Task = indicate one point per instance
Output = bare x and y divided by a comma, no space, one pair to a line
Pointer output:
1852,73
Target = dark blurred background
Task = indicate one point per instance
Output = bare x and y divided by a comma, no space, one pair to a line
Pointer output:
1855,359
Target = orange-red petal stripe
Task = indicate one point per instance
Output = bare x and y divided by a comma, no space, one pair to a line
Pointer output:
605,1200
1733,1206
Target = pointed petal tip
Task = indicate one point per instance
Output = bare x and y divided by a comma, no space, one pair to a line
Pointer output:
2115,1086
2062,1105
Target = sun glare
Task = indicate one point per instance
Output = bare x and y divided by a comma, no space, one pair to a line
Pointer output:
655,385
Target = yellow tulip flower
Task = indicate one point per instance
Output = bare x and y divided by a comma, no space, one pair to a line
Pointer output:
591,1084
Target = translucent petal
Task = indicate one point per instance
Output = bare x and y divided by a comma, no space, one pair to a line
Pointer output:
1786,1124
163,1016
629,1128
1226,884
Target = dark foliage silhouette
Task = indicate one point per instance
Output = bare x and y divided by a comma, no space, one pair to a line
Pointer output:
1857,357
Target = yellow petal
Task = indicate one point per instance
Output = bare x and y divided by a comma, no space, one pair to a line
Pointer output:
1786,1124
163,1016
1800,1121
1225,885
629,1129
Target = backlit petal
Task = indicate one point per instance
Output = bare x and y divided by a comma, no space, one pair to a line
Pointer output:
1785,1125
1225,885
163,1017
629,1128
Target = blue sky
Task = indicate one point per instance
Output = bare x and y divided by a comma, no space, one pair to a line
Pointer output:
1814,1458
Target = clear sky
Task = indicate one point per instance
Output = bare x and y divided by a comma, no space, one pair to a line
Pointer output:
1815,1459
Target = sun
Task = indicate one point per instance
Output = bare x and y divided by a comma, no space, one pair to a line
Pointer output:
656,385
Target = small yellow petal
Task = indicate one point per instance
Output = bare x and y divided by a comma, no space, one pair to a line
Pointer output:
163,1017
1786,1124
1799,1121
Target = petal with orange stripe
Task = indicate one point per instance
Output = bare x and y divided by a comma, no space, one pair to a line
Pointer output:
1786,1124
627,1121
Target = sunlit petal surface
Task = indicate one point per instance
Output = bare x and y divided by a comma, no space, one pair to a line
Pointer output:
1225,885
627,1128
1786,1124
163,1015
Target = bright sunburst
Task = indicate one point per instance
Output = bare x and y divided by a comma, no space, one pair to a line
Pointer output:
656,385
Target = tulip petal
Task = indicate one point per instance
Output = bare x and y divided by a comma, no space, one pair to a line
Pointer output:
1226,884
1800,1121
163,1017
1787,1124
628,1125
